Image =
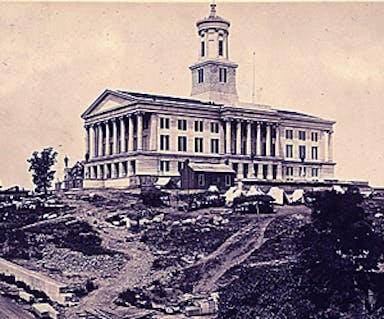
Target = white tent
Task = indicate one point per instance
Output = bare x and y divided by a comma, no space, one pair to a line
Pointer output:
297,196
213,189
232,193
338,189
278,195
254,191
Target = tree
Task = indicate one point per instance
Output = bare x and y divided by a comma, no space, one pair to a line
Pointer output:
341,255
41,167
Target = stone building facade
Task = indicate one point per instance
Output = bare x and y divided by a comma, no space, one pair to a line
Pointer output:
135,137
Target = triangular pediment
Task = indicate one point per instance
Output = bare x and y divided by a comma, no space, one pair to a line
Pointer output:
107,101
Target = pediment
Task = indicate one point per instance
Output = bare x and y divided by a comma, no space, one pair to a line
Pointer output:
107,102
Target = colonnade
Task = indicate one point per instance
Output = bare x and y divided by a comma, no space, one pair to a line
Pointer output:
115,135
257,150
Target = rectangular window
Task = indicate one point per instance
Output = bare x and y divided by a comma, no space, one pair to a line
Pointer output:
215,145
202,48
314,153
302,135
274,171
228,180
199,126
220,47
200,76
180,166
302,171
133,167
199,142
214,127
302,152
182,143
182,125
201,179
222,75
164,166
289,171
289,151
265,171
314,136
164,142
315,172
288,134
164,123
235,167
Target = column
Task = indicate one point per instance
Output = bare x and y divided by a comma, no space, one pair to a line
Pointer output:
139,131
94,140
240,171
330,150
130,135
269,172
260,171
277,141
100,140
228,136
268,140
88,140
116,137
258,139
107,137
323,151
122,135
238,137
248,151
153,133
251,171
279,174
222,138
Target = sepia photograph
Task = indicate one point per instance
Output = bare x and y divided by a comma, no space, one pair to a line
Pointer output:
201,159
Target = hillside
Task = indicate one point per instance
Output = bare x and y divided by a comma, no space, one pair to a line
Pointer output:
124,259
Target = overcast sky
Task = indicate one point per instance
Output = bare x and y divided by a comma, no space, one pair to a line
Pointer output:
325,59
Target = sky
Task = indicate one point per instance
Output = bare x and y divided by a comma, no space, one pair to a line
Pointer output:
324,59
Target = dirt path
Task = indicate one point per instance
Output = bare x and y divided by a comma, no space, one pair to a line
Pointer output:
235,250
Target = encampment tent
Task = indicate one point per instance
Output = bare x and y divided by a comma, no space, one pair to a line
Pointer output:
297,196
233,193
213,189
254,191
338,189
279,195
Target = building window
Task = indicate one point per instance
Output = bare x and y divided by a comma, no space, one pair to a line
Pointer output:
164,166
314,153
164,123
265,171
199,142
220,47
164,142
302,171
302,152
200,75
222,75
289,171
228,180
202,48
302,135
182,143
274,171
125,169
289,134
133,167
199,126
235,167
214,127
215,145
315,172
201,179
289,151
182,125
180,166
314,136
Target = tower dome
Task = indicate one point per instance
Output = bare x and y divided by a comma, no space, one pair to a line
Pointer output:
213,75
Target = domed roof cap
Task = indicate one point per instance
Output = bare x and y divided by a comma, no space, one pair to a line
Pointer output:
213,21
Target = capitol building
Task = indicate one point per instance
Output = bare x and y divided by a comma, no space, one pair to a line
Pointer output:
136,138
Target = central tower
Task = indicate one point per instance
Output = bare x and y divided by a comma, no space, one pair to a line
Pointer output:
213,75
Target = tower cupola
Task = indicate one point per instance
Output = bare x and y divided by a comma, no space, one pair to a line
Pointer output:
214,75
